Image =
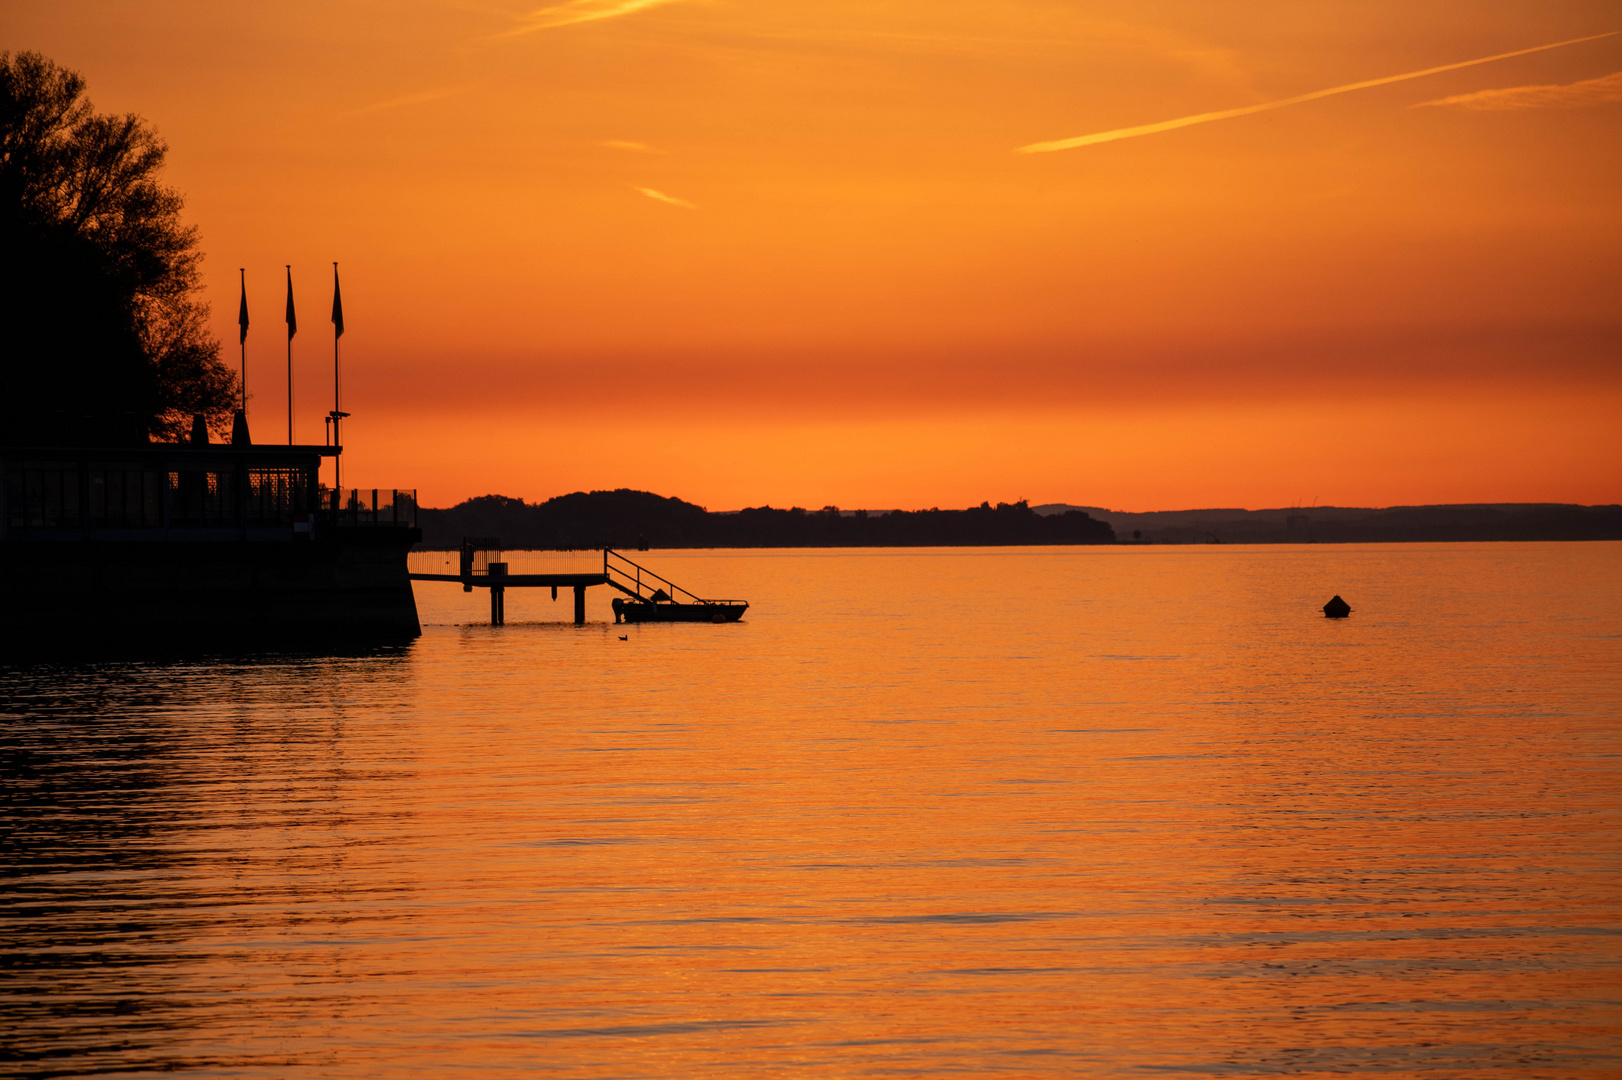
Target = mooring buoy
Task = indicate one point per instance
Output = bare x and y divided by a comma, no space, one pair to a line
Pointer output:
1337,608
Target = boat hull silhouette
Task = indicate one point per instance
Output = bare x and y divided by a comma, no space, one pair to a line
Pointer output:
633,611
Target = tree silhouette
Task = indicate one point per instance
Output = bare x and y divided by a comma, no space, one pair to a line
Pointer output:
106,341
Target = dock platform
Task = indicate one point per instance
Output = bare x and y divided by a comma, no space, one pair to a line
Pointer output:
653,598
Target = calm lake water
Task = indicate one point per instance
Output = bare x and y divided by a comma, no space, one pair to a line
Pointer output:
985,812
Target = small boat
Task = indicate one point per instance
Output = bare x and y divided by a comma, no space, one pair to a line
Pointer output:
651,598
710,611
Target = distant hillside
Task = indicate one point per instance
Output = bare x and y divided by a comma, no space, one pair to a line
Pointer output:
1340,524
632,519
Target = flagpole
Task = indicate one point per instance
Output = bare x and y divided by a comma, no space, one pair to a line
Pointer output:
292,328
338,413
337,417
242,337
337,406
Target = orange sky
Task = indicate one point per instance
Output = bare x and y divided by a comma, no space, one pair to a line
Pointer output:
748,252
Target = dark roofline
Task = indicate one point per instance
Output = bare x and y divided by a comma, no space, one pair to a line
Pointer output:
269,453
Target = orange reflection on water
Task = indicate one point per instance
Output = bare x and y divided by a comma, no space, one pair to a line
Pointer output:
1022,812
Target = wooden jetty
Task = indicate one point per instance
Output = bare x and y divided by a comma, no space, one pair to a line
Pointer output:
651,598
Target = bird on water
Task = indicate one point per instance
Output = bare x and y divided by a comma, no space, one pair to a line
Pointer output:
1337,608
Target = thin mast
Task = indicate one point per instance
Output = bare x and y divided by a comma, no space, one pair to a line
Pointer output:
338,413
292,328
242,336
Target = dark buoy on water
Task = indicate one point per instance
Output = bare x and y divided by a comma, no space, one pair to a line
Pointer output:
1337,608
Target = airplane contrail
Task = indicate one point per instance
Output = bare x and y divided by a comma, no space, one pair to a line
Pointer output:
1203,118
653,193
409,99
1600,91
579,11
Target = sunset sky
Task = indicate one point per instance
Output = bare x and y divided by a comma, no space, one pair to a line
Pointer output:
752,251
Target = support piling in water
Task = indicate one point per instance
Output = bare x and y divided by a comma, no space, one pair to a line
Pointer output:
498,595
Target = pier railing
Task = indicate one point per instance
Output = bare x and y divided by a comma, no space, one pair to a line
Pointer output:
182,490
638,581
188,491
371,506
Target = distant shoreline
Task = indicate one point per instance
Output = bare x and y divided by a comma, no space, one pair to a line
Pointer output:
1434,523
637,519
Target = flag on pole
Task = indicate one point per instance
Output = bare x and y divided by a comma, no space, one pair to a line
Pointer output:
337,306
242,310
292,319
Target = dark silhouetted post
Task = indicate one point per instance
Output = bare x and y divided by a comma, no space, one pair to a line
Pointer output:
580,605
337,407
498,595
292,328
242,333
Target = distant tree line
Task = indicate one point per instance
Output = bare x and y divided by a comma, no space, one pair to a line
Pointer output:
1398,524
107,341
633,519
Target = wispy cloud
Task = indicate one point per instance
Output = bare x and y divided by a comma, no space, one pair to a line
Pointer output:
1600,91
579,11
631,147
1226,114
662,197
409,99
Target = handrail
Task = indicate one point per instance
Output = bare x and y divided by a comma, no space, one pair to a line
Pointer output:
369,506
633,584
640,570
